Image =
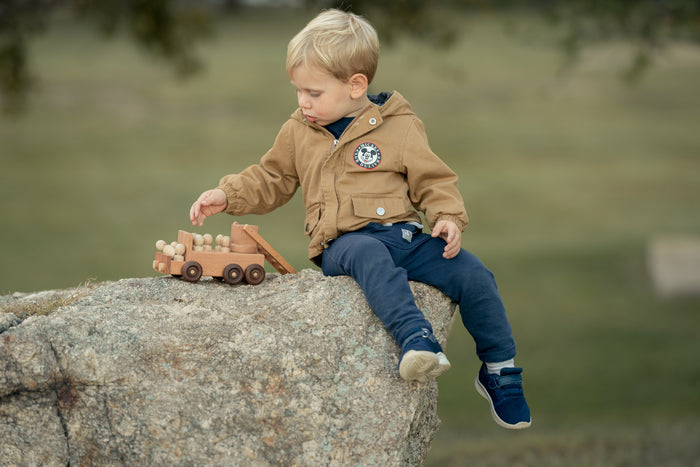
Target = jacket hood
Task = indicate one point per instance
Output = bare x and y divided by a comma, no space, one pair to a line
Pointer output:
379,99
391,103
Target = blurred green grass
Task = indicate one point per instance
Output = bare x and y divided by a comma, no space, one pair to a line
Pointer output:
567,174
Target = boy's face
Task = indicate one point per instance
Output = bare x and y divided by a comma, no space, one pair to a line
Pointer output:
322,97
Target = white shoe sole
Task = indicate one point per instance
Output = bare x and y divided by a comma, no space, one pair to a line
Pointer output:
422,366
484,393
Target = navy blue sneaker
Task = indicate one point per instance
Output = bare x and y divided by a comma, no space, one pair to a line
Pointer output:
422,358
505,395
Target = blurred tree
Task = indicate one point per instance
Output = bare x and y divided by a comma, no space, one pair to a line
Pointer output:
169,28
648,24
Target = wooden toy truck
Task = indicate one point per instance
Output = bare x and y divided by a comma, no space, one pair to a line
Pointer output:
235,258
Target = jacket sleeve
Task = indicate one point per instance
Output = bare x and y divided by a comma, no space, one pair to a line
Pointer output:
433,187
267,185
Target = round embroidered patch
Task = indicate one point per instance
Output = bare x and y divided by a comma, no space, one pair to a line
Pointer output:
367,155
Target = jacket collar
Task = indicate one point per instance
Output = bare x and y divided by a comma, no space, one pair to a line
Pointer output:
370,118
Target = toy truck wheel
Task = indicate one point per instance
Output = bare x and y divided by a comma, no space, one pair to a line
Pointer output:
233,274
254,274
192,271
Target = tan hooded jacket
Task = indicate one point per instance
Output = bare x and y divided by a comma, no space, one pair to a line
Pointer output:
381,169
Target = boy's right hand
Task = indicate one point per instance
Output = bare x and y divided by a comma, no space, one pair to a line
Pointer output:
209,203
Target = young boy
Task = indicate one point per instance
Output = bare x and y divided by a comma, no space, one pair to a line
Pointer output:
364,166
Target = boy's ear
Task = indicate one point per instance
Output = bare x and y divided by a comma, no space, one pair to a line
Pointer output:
358,85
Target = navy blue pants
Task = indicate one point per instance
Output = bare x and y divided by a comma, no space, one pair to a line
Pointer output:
382,260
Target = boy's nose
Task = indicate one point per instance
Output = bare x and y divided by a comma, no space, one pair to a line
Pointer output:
304,103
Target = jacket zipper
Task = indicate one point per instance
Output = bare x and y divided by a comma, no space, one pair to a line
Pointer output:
325,244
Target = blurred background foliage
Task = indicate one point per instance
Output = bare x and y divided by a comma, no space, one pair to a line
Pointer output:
568,174
171,28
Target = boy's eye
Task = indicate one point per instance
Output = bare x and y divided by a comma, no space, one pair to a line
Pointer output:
313,94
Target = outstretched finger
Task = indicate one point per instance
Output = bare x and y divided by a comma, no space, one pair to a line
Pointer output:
195,213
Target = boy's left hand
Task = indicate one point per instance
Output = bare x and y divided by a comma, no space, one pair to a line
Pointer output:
449,232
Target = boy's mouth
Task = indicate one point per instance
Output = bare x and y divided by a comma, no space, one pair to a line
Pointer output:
310,118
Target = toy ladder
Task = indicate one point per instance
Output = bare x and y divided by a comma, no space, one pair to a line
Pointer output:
274,258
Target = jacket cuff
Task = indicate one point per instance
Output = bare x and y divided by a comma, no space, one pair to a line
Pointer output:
230,198
460,221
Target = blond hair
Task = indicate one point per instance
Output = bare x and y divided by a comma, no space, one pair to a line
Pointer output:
339,42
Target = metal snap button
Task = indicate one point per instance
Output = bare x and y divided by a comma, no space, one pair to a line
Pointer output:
372,121
381,211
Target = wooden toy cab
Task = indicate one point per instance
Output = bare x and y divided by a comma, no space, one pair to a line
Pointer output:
234,259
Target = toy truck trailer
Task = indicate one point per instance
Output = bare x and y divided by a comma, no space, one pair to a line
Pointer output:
242,260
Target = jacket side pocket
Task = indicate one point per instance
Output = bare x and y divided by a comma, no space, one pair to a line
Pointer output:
313,216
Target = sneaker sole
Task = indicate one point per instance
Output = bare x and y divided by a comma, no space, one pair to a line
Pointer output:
443,365
422,366
482,391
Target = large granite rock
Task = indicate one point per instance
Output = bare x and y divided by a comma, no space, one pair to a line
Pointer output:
157,371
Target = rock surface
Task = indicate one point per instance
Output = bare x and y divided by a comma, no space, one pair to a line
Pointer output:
157,371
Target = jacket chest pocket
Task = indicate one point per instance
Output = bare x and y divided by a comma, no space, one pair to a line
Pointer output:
378,207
